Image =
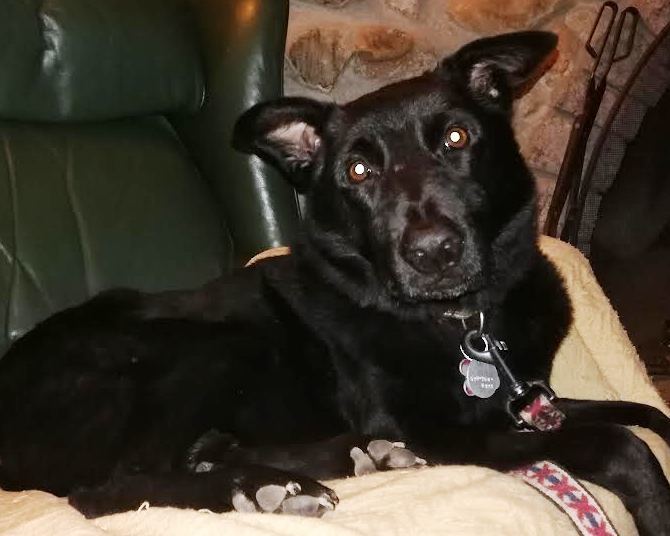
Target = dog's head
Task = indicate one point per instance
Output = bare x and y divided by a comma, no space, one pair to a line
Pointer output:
416,194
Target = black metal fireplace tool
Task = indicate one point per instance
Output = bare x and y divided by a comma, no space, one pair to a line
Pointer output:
566,191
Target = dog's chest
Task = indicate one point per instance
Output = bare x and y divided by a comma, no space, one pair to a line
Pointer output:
405,379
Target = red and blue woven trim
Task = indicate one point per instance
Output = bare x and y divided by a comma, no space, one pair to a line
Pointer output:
569,495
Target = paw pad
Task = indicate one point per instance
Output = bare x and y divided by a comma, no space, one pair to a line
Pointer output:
269,498
382,454
242,503
363,464
285,499
302,505
399,458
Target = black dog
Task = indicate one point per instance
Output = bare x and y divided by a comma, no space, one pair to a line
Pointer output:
421,213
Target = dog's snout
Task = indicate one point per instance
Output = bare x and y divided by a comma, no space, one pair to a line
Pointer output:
432,247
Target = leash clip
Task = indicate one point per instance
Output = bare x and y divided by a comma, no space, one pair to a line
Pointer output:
535,409
529,404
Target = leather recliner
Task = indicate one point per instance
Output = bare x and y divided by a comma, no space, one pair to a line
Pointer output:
115,159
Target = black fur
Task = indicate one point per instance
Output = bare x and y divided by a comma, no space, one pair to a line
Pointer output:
353,336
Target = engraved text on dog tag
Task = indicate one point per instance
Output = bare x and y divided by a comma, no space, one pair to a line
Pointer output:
481,379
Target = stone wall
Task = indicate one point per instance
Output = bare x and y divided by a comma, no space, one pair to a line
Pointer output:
339,49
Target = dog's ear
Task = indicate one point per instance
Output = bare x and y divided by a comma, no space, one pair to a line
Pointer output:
500,68
287,132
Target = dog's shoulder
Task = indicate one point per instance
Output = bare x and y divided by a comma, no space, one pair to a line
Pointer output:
535,317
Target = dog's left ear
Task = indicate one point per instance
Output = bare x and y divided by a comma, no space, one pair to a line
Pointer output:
287,132
500,68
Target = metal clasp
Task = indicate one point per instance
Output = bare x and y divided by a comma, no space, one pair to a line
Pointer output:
482,346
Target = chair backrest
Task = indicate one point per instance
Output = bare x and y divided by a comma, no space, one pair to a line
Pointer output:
115,161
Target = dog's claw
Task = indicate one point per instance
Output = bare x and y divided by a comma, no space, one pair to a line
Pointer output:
293,488
329,501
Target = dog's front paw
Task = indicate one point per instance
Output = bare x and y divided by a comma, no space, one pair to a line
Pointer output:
304,498
383,455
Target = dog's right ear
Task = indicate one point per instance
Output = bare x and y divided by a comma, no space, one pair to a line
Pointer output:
287,132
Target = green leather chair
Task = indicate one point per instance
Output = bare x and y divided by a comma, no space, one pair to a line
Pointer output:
115,159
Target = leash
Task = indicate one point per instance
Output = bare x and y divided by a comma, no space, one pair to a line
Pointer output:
531,407
569,495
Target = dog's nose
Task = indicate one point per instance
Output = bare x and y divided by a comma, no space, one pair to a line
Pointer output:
432,247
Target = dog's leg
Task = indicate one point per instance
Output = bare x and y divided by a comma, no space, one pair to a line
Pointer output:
615,412
246,488
340,456
608,455
319,460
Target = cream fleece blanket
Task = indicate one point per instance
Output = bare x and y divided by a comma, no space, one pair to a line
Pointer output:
595,361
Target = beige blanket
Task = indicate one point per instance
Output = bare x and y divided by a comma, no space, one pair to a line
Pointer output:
595,361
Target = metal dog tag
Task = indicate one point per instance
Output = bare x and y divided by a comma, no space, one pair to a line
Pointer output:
481,379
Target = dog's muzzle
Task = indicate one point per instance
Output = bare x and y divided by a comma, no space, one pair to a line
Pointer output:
432,247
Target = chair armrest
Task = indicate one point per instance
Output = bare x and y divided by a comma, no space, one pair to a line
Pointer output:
243,50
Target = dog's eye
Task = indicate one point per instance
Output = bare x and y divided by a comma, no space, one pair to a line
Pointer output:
456,138
358,171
